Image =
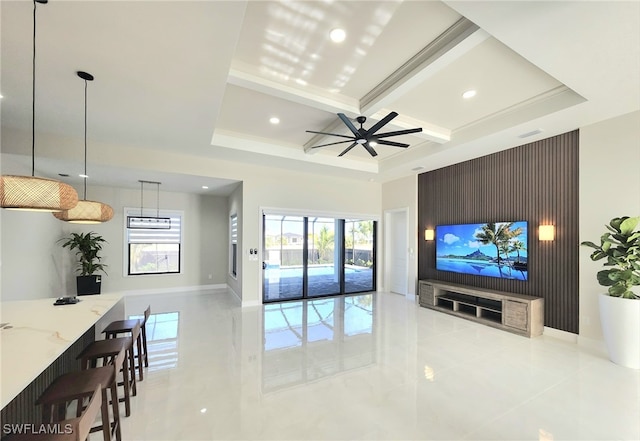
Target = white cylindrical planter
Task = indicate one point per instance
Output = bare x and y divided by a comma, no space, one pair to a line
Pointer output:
620,320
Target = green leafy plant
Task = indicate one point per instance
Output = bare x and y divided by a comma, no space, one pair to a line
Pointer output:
88,247
620,246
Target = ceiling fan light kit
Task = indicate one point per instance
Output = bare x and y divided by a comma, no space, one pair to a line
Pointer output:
367,138
30,193
86,212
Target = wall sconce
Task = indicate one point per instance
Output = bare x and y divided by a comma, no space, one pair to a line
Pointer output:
429,235
546,232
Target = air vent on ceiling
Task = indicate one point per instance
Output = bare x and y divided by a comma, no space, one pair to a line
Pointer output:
531,133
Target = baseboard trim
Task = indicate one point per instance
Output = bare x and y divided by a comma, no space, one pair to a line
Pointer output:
234,293
191,290
560,335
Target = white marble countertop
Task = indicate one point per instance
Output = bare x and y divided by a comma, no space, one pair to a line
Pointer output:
35,333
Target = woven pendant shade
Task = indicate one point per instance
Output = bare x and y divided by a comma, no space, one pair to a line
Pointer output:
86,212
28,192
36,194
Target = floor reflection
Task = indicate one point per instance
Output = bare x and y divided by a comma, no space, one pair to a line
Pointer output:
162,339
310,339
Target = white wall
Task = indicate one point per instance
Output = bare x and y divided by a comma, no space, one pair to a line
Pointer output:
282,189
609,187
235,207
403,194
31,264
214,239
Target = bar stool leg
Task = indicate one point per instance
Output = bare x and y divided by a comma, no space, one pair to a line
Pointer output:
126,384
144,345
140,357
132,370
116,412
106,425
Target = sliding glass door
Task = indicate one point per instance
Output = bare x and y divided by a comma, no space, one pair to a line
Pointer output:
306,257
359,256
323,260
283,249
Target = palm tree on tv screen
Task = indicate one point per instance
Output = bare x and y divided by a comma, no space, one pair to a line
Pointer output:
500,236
516,247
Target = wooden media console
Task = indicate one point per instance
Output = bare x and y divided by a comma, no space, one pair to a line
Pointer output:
517,313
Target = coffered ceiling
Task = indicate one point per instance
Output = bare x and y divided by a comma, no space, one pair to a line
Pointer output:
204,78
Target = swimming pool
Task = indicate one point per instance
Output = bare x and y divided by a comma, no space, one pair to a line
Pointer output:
312,270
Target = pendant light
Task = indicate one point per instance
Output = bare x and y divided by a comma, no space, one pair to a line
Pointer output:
29,192
149,222
86,212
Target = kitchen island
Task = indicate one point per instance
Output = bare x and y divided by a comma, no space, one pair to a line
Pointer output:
39,341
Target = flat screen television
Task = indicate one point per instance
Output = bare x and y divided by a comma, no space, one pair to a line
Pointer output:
493,249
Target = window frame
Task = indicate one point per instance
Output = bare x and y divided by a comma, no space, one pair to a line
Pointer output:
233,245
126,264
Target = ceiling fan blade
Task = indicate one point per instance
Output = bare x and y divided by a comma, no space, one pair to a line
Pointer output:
399,132
331,143
377,126
392,143
370,149
348,148
349,124
331,134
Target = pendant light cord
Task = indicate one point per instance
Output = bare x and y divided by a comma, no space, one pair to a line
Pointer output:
141,197
33,97
85,141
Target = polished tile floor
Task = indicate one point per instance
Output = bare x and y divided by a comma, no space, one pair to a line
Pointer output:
369,367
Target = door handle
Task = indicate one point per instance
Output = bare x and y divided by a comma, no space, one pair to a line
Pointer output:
264,265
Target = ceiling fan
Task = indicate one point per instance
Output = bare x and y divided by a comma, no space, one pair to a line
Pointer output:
366,137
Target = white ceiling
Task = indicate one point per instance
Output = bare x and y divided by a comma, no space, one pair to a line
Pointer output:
203,78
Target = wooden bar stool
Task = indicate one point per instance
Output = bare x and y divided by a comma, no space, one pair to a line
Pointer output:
74,429
126,326
76,386
107,350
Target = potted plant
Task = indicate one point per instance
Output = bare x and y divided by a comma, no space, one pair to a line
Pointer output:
88,247
620,306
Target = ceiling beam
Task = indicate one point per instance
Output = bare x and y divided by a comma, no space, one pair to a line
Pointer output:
449,46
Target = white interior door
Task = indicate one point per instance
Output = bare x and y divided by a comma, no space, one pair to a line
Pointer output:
398,252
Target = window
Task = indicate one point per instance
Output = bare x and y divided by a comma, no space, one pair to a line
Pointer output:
154,251
233,238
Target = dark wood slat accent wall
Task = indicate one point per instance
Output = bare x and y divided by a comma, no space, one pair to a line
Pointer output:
537,183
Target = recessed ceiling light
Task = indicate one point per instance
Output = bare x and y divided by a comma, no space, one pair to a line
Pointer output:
274,120
84,176
203,410
417,168
373,143
337,35
1,96
469,94
301,82
204,187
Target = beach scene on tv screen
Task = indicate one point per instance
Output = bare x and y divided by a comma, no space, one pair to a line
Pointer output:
497,249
